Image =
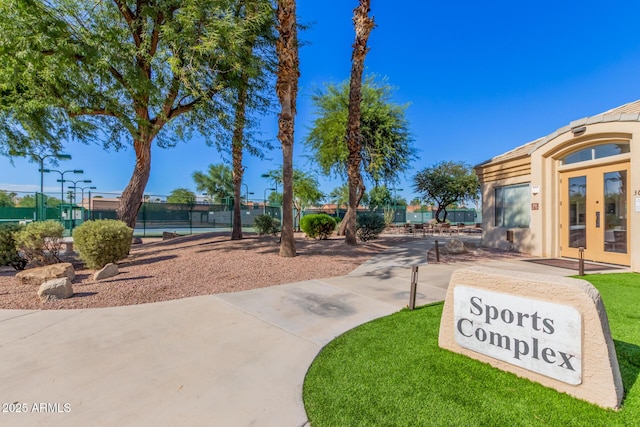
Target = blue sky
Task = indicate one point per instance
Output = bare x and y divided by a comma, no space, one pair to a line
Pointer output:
481,78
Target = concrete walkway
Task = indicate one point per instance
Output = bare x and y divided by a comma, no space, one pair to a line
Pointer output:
235,359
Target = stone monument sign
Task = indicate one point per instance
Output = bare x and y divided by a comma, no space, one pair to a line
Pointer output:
552,330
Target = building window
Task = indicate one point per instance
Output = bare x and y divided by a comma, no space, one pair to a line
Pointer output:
512,206
597,152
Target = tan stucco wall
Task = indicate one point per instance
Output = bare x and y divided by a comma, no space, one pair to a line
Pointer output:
543,236
496,237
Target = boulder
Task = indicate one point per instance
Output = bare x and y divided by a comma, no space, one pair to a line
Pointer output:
480,252
455,246
136,241
107,271
55,289
166,235
37,276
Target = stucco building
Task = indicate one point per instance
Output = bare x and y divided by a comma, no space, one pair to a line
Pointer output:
578,187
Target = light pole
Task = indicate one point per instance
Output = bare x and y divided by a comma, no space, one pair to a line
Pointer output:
264,207
395,199
41,207
247,193
90,207
62,180
74,186
275,180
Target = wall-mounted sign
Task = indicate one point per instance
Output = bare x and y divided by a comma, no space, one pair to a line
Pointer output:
637,204
535,189
536,335
535,206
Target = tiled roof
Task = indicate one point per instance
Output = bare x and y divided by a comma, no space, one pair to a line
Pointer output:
625,113
631,107
521,151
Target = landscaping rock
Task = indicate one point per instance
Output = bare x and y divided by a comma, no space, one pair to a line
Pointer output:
136,241
55,289
480,252
456,246
107,271
37,276
167,235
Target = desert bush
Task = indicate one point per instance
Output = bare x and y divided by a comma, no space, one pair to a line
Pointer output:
8,253
40,242
318,226
388,215
102,241
369,226
265,224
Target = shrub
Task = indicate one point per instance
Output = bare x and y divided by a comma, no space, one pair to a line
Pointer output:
102,241
8,253
388,216
318,226
40,242
369,226
265,224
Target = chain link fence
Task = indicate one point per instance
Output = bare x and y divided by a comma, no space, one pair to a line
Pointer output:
156,216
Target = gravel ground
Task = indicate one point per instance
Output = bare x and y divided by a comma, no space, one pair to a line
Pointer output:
205,264
200,264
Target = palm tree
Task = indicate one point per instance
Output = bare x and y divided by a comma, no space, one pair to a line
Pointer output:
340,196
363,25
248,86
287,89
217,184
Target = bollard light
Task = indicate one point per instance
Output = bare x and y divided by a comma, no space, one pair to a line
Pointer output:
581,261
414,285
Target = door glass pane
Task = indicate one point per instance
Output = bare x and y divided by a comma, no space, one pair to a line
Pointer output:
577,212
615,212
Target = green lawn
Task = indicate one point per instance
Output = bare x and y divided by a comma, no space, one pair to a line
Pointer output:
391,372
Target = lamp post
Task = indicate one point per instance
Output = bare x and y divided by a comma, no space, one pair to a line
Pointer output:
74,186
62,180
264,207
247,193
41,160
275,180
395,199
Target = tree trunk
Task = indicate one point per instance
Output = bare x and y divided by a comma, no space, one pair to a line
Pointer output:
131,198
236,226
236,153
287,89
342,228
363,26
297,216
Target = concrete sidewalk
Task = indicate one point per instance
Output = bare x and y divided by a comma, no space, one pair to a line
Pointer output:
235,359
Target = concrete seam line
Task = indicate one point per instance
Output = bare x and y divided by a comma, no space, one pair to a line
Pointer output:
355,293
20,315
71,315
266,321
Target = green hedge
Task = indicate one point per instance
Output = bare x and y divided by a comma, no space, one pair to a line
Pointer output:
8,253
40,242
369,226
101,242
265,224
318,226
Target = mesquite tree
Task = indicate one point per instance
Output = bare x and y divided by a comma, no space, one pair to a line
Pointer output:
121,72
446,183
